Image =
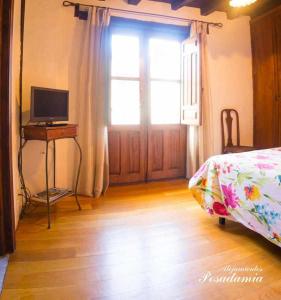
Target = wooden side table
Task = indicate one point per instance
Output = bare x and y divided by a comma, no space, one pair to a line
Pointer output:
48,134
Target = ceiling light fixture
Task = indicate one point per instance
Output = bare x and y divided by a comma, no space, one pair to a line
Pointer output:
241,3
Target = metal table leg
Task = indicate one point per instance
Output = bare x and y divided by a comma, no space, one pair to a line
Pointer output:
54,153
47,185
78,173
20,166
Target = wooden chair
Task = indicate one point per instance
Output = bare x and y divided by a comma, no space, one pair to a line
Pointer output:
227,119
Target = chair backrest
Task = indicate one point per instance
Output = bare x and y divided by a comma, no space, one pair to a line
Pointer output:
227,119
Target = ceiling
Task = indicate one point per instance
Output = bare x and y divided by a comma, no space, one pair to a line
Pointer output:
209,6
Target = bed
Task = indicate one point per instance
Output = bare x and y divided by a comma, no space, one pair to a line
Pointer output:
244,187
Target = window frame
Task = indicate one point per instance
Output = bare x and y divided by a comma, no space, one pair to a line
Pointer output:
144,75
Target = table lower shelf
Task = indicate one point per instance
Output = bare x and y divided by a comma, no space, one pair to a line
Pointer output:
55,194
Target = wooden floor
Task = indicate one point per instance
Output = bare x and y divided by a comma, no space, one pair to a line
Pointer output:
149,241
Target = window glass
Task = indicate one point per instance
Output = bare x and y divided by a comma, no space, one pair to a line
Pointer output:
125,102
165,59
125,56
165,102
164,67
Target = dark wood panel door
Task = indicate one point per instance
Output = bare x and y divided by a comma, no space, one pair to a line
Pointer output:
277,55
7,226
166,151
138,155
127,154
265,106
277,38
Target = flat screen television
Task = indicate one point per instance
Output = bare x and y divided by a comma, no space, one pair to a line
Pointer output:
48,105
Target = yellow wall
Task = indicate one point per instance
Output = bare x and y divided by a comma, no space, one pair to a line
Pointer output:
52,44
15,102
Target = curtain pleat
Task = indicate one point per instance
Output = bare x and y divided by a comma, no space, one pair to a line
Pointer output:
92,104
200,144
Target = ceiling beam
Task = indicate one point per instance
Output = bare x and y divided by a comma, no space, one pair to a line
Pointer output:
177,4
208,7
134,2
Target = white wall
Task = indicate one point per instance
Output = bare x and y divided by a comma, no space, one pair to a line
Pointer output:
230,65
52,44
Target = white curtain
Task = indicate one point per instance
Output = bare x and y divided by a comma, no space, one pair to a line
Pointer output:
200,145
92,103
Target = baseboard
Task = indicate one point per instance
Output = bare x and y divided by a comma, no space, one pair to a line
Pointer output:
3,268
147,181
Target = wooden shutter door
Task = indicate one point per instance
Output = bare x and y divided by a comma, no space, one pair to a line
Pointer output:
265,106
277,51
191,82
7,227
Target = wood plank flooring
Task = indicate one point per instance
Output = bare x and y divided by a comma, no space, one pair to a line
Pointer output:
147,241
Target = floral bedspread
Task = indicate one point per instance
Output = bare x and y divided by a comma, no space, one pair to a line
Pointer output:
244,187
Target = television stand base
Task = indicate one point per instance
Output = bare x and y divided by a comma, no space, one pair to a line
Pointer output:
48,133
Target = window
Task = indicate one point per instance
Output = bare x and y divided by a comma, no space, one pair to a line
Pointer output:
165,66
145,70
125,80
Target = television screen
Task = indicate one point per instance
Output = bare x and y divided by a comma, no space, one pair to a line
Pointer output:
48,105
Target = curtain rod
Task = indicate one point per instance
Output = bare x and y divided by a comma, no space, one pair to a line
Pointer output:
69,3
